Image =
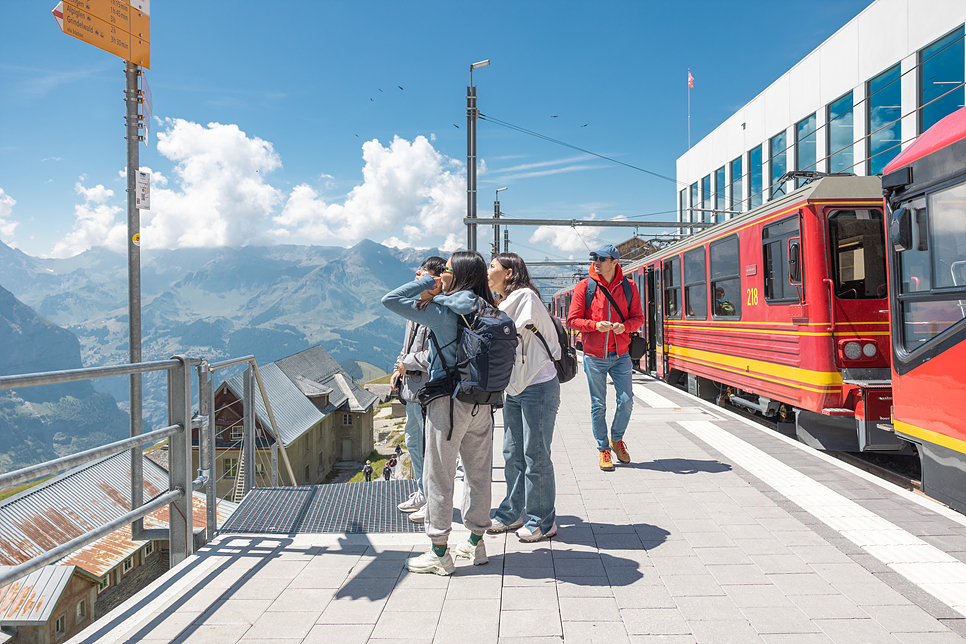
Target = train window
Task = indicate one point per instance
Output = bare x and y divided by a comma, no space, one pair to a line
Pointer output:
775,246
932,284
672,288
857,245
726,278
695,284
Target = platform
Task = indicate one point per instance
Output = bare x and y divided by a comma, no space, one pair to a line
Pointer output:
718,531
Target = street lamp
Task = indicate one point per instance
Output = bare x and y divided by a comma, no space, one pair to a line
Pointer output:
496,227
471,115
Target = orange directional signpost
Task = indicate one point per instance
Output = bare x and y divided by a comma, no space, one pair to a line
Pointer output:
120,27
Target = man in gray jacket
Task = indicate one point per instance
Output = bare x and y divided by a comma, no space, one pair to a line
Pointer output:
412,374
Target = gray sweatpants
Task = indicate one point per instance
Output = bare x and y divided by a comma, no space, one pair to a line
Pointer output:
473,440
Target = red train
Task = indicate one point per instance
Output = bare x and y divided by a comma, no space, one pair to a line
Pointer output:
925,196
783,310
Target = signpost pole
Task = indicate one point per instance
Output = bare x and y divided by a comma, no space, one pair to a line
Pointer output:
134,282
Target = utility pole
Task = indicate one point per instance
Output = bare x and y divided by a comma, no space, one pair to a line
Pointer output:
133,137
496,227
471,115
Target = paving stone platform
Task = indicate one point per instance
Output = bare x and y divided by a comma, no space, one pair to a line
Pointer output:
718,531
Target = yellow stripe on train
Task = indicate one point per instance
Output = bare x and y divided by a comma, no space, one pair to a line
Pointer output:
793,375
930,437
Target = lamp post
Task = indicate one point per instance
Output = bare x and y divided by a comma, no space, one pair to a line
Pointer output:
471,115
496,227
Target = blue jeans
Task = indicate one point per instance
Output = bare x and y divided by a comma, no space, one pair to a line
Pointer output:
528,421
619,368
414,441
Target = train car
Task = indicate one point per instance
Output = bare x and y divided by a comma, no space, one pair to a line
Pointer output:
782,310
925,198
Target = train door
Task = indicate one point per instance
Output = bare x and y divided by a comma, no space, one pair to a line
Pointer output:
650,320
660,355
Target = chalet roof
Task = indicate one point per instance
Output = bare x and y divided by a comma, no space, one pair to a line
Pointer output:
64,507
291,381
31,601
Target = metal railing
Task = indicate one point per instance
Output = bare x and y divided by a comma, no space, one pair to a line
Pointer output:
178,498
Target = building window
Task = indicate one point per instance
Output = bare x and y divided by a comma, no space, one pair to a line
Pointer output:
307,474
719,194
672,289
805,156
726,277
321,461
885,110
756,173
231,468
81,611
127,565
777,146
942,71
737,198
839,135
60,626
706,214
858,257
347,420
149,548
237,433
104,583
694,201
683,204
775,238
695,285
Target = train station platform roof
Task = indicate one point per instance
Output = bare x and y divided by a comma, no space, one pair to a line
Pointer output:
717,531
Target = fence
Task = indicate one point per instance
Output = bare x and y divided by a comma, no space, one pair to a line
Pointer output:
181,484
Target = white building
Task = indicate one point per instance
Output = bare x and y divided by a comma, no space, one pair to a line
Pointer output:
851,105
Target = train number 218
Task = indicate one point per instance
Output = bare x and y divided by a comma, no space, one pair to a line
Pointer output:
752,296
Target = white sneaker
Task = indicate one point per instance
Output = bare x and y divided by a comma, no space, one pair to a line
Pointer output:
415,501
429,562
498,527
476,554
419,516
526,534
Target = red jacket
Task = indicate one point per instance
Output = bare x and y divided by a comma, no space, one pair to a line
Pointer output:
584,319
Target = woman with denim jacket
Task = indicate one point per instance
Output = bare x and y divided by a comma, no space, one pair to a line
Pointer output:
468,432
533,397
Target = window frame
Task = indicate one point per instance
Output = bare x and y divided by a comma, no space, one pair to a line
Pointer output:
782,242
870,153
737,201
773,178
713,281
669,266
80,611
834,257
811,136
756,197
720,180
686,286
127,565
229,467
60,626
829,120
921,63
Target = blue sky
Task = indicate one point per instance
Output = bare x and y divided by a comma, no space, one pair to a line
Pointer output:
324,123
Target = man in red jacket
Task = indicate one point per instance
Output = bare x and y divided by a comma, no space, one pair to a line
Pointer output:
605,333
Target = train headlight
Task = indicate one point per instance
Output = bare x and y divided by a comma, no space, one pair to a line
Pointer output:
869,350
853,350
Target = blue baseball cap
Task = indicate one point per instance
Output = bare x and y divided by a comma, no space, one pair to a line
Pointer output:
607,250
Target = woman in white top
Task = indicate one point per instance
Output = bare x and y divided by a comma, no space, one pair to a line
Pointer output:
530,411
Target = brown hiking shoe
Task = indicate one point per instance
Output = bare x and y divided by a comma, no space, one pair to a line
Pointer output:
621,450
605,463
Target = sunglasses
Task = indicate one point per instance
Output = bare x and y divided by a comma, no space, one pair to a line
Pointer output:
598,258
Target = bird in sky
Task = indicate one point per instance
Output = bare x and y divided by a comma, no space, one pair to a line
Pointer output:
372,100
400,87
585,125
379,88
554,116
456,126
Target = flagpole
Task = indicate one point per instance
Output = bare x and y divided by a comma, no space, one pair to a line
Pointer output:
689,108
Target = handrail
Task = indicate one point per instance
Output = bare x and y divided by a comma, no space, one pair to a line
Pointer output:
231,362
271,420
831,304
11,574
11,479
87,373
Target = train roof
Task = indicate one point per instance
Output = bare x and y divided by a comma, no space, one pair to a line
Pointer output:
831,188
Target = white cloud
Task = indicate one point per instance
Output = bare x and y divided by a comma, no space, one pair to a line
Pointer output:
7,224
407,188
569,240
221,197
95,225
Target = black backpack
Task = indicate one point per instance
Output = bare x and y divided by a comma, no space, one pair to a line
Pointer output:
486,347
567,365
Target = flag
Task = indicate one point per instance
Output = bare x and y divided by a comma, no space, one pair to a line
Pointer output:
690,80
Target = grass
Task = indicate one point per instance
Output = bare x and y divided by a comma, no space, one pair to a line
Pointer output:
378,462
384,380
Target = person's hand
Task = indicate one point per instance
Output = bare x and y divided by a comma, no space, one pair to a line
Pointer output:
401,370
617,328
393,378
604,325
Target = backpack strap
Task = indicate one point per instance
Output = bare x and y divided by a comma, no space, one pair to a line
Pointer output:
533,329
592,290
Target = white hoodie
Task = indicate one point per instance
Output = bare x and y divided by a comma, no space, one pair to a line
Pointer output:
524,307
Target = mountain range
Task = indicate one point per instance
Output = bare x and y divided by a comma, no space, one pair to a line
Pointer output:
217,303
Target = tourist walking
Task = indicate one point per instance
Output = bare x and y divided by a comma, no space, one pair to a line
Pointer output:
605,320
530,411
367,471
412,373
452,426
386,471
